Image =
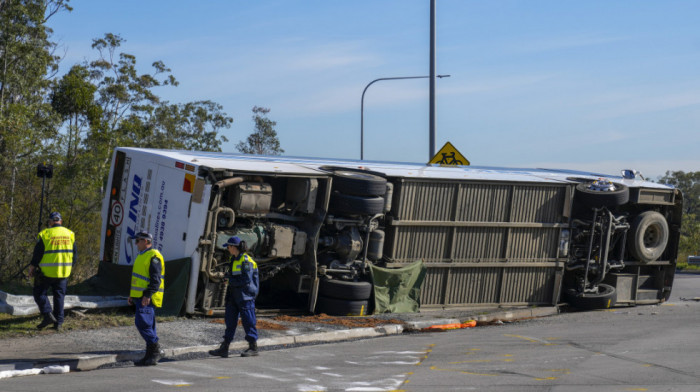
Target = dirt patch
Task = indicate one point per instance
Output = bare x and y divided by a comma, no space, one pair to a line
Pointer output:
350,322
259,324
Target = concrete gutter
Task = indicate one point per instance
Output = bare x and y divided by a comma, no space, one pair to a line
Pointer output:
507,316
91,362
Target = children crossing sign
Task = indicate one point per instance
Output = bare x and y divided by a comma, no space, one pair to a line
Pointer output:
448,155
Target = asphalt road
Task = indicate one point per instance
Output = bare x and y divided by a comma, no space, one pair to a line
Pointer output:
646,348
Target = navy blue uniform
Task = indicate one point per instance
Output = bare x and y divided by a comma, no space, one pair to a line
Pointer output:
240,299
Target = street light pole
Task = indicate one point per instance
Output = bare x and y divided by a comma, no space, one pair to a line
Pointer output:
431,151
44,171
362,106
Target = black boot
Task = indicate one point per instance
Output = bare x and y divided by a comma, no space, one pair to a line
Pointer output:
222,351
156,355
146,356
252,350
48,319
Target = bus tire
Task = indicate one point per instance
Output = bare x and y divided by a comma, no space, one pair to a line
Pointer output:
596,199
355,205
648,237
605,298
358,183
343,289
341,307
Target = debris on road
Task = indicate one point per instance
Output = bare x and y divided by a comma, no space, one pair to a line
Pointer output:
446,327
350,322
260,324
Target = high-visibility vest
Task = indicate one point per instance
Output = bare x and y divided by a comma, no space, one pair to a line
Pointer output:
140,276
57,261
238,263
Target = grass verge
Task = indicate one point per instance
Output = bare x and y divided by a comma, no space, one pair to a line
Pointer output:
25,326
685,267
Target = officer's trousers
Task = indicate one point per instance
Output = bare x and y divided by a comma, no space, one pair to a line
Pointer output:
246,310
41,288
145,320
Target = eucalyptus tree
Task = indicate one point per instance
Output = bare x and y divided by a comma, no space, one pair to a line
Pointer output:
27,121
263,140
108,102
689,184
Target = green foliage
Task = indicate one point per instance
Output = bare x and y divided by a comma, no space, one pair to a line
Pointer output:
689,185
73,99
27,121
263,141
74,122
17,326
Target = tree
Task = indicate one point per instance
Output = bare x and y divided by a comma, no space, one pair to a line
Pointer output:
74,122
108,103
73,98
689,185
27,121
264,140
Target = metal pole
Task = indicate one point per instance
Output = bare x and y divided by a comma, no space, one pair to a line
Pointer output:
431,151
41,205
362,107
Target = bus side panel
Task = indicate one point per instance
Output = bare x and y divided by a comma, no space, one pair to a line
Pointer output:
483,243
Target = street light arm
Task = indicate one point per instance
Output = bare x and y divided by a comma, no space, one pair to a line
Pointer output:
362,106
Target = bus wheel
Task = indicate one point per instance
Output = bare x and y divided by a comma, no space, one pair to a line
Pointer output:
605,298
343,289
602,193
356,205
341,307
649,236
358,183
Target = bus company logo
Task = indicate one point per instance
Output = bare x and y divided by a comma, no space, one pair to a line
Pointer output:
116,215
133,204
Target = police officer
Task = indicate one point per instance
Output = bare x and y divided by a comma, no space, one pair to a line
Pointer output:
147,284
52,262
240,299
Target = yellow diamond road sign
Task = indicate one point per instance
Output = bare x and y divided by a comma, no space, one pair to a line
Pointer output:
448,155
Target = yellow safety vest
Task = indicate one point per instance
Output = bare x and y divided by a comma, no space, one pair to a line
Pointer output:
140,276
238,263
57,261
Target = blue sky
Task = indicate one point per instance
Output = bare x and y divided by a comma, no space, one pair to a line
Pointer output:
588,85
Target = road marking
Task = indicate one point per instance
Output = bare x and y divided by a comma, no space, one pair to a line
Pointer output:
531,339
399,352
462,371
174,383
311,388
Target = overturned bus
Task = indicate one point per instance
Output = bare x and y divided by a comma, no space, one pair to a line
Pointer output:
487,236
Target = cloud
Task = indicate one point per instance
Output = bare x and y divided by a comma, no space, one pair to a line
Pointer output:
325,57
549,44
481,85
645,102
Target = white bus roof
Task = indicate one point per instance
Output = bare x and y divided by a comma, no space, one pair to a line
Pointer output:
313,166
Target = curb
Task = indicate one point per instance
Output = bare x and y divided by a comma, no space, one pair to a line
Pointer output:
92,362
